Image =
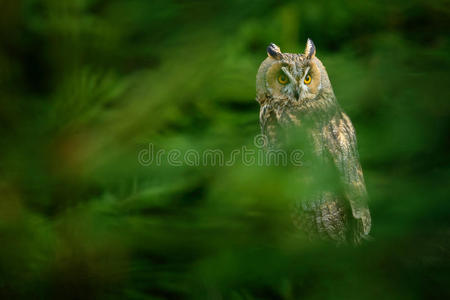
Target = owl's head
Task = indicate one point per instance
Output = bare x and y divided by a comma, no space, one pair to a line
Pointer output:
297,79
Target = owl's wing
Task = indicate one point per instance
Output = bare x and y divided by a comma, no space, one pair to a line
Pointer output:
341,143
269,125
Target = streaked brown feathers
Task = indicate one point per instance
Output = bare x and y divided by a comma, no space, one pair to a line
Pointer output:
338,213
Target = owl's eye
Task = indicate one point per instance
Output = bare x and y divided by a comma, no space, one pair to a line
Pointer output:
307,79
283,79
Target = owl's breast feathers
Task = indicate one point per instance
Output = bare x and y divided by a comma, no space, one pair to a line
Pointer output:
333,138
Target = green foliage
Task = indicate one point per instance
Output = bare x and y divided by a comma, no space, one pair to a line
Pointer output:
85,85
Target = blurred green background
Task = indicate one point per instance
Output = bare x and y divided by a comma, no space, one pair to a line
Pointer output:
87,84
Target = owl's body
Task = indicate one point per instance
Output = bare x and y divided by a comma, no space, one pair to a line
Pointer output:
296,97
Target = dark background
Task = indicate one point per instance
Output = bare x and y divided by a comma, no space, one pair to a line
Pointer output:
87,84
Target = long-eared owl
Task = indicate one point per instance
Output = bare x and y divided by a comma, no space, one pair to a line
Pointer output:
296,99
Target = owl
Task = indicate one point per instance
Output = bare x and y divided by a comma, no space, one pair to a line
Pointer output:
296,96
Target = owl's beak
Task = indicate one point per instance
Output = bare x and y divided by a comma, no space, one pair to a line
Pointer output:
293,80
297,93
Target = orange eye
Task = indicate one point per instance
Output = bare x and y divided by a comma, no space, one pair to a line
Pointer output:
307,79
283,79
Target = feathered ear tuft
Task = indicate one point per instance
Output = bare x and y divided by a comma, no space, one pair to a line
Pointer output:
274,51
310,50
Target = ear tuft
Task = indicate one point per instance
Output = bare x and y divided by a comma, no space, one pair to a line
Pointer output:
310,49
274,51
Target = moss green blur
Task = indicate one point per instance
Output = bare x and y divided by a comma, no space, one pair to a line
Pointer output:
85,85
